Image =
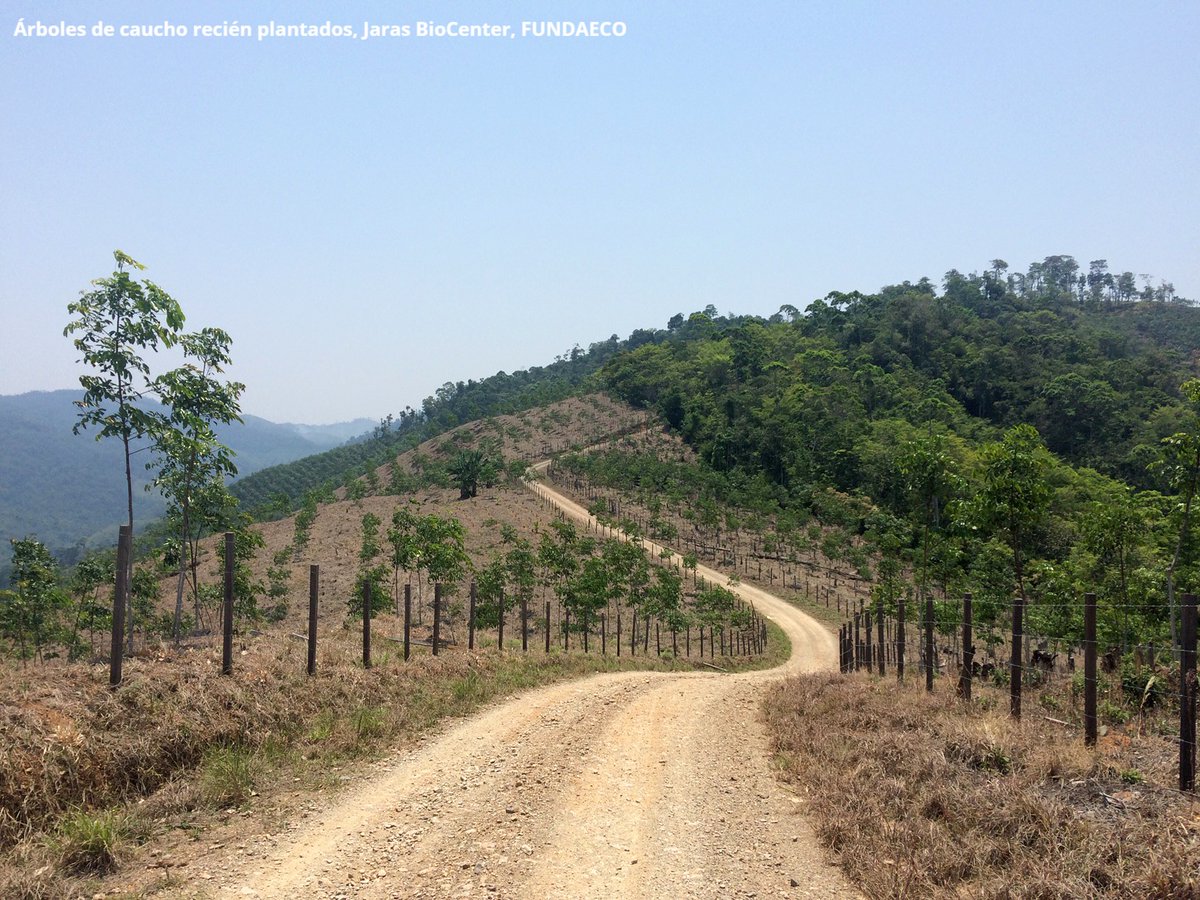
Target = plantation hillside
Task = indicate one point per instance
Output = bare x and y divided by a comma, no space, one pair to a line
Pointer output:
279,489
888,417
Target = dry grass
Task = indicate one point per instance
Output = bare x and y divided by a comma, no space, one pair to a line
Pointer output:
919,795
87,773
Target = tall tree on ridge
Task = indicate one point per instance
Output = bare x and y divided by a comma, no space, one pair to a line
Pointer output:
115,323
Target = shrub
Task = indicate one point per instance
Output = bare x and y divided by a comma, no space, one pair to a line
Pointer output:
369,721
91,842
1141,686
227,776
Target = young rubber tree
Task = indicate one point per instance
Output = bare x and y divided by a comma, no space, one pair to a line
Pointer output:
587,592
187,452
406,548
36,600
521,569
443,550
114,325
91,573
925,468
1015,495
1180,464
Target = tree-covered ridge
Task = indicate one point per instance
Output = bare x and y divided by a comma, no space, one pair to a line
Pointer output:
1003,436
801,395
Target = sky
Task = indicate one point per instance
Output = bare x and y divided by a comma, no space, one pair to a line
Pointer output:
369,219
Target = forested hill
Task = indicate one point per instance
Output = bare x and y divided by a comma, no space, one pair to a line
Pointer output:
1031,435
814,398
1093,362
63,487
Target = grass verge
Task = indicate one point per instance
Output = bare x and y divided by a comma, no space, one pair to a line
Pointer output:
89,772
920,795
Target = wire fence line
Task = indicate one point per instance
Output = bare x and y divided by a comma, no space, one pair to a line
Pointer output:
871,640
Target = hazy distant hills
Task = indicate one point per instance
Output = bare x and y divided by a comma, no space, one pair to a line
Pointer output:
64,487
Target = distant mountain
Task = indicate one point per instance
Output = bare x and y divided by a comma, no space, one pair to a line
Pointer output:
332,435
64,487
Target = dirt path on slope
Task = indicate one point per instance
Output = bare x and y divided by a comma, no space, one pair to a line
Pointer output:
629,785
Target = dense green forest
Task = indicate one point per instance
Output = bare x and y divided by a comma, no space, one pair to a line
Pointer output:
914,406
800,399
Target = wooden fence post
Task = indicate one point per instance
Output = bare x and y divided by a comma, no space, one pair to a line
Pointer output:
881,657
1016,664
566,628
858,660
437,617
368,600
407,617
1090,728
1187,695
968,651
868,641
929,643
900,638
524,624
471,618
618,632
603,634
500,633
547,626
314,593
227,608
116,658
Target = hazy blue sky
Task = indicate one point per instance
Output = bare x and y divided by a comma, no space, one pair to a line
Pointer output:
369,219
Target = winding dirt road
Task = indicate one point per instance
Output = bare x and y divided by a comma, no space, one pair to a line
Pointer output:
631,785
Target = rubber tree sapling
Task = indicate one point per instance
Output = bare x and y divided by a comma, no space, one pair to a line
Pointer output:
187,452
114,325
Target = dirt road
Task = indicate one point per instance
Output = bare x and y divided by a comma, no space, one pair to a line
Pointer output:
633,785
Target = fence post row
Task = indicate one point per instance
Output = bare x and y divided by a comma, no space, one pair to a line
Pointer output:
879,629
437,616
407,617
